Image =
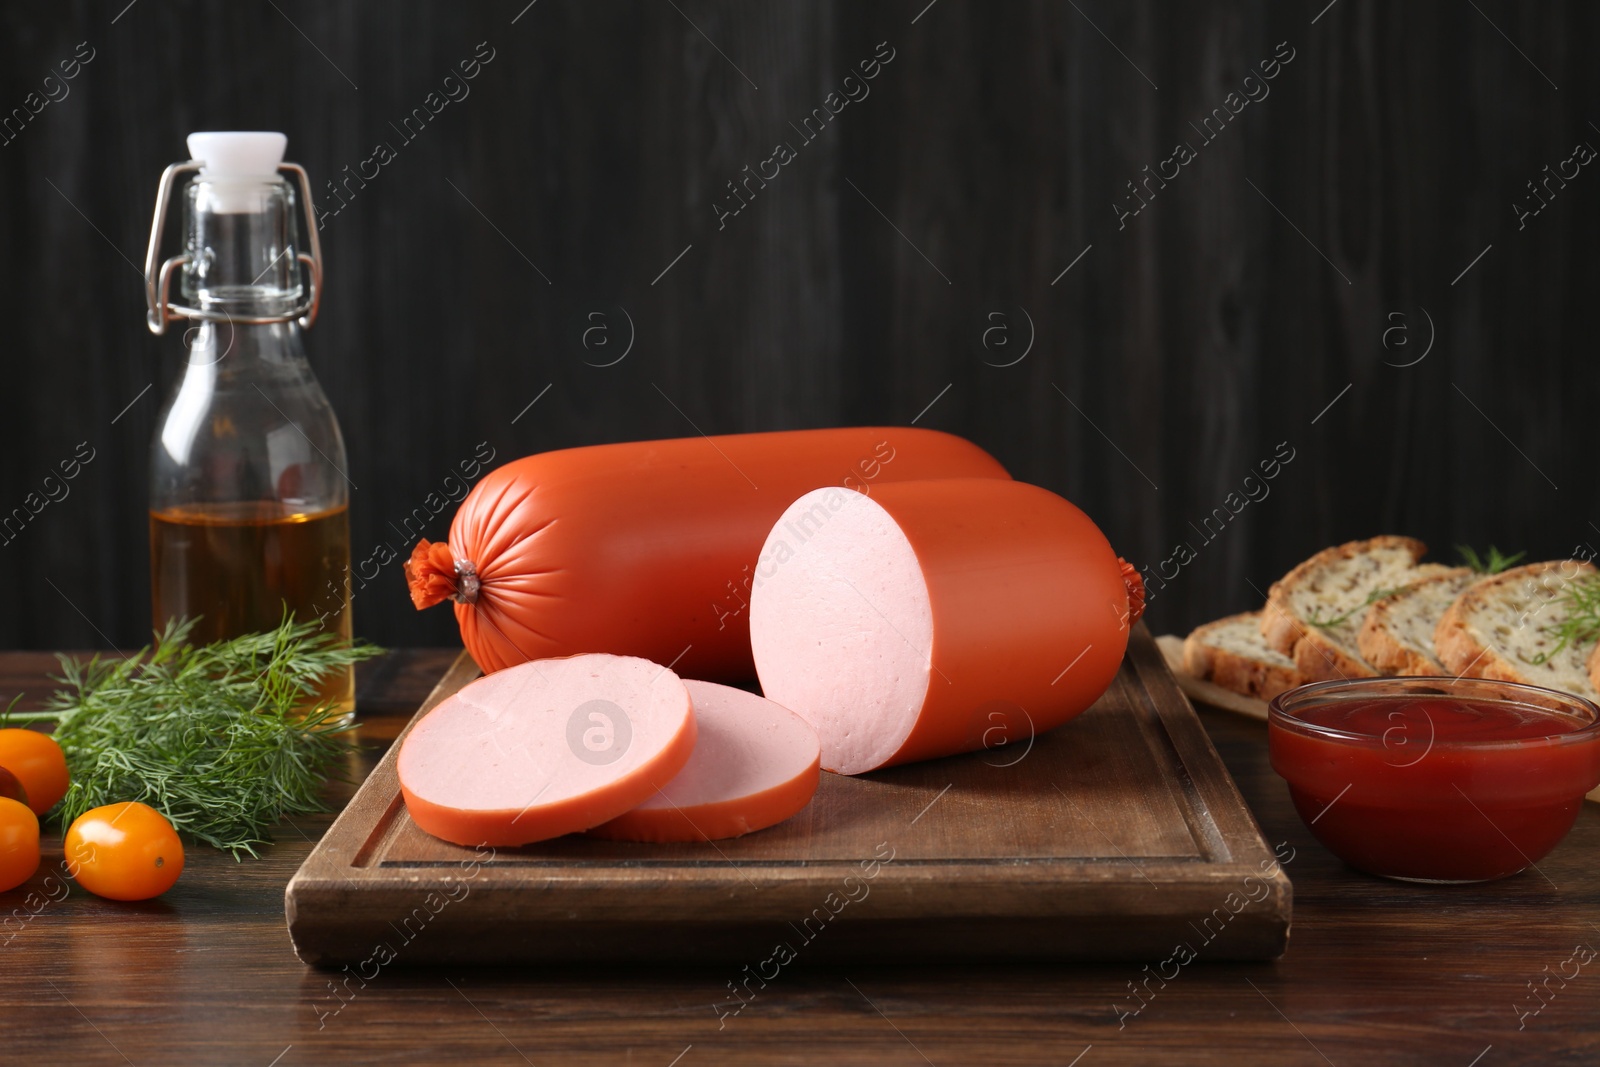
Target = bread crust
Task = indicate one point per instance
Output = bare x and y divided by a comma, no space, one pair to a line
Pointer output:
1386,652
1594,667
1282,628
1232,671
1197,655
1321,660
1462,653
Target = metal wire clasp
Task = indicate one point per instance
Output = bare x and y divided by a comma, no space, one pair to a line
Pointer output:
158,280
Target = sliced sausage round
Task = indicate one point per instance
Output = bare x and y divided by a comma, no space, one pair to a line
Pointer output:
754,765
907,624
545,748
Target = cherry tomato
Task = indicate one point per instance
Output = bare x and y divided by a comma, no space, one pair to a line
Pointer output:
126,851
38,763
19,843
11,787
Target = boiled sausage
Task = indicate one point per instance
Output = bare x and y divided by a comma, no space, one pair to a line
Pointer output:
913,623
648,548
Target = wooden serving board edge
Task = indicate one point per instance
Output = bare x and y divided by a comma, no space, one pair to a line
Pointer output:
326,862
1218,697
985,897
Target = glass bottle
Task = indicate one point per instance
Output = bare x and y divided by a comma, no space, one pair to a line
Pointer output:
248,490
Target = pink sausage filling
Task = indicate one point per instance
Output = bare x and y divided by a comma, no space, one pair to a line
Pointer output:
747,745
543,733
841,624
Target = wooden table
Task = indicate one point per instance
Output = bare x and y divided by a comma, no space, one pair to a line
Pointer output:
1376,972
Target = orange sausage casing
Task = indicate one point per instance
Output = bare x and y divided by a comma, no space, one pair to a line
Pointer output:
937,617
648,548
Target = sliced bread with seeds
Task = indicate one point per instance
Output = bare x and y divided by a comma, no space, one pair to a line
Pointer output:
1314,612
1396,637
1516,626
1232,653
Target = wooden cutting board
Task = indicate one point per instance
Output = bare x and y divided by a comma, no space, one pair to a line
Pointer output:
1117,836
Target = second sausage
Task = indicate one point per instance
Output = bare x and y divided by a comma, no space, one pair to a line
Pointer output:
916,622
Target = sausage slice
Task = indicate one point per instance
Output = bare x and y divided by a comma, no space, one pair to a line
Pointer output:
754,765
546,748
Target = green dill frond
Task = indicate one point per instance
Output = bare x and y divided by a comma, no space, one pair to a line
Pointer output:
1581,622
215,737
1316,619
1494,564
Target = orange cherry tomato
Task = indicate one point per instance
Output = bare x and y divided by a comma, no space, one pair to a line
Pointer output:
38,763
11,786
126,851
19,843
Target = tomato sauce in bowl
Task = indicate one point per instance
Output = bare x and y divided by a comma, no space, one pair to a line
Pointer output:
1436,779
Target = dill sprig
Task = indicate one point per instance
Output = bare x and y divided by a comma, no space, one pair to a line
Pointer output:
1581,623
217,737
1496,562
1316,619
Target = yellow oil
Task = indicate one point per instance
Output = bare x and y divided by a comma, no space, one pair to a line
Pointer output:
237,566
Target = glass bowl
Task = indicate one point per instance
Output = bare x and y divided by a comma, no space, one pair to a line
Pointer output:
1443,780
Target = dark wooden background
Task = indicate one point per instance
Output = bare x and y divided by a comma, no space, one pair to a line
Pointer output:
1173,357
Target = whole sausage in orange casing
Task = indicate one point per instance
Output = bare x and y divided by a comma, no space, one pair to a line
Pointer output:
648,548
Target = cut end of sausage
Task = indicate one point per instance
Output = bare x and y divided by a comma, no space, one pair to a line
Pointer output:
546,748
841,624
754,765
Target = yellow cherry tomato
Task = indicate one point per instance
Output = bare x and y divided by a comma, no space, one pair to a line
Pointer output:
126,851
19,843
38,763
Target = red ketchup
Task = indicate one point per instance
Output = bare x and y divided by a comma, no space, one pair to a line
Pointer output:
1436,779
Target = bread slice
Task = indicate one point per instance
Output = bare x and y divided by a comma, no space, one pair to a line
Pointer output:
1396,637
1500,623
1232,653
1314,612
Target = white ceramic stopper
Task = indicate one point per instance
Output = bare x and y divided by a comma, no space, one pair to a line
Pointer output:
234,163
